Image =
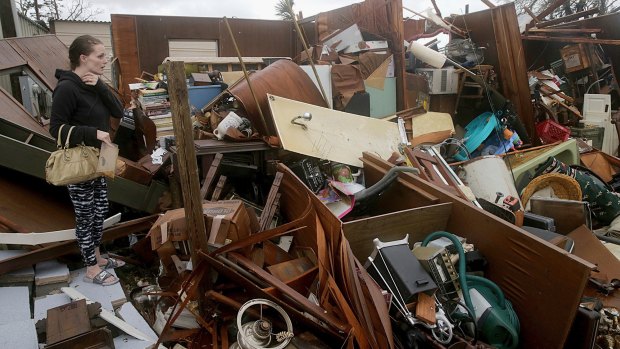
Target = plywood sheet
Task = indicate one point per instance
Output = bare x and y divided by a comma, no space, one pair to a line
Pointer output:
332,134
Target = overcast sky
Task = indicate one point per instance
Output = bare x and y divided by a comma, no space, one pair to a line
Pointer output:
263,9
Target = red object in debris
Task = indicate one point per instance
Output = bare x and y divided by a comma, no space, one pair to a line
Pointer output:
550,131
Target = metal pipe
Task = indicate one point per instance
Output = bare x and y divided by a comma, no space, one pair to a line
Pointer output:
245,73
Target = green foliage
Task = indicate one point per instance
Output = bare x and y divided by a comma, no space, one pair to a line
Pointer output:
284,9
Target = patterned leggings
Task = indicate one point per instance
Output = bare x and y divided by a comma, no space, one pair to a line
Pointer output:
90,202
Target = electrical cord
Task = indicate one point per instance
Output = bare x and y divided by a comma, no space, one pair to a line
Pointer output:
470,314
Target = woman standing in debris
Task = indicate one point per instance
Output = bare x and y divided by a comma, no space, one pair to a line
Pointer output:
82,100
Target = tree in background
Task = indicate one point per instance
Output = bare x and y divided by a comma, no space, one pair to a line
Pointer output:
46,10
284,9
569,7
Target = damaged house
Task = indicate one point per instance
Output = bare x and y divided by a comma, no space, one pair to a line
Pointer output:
363,179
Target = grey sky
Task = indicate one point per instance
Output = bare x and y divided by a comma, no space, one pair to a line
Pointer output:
263,9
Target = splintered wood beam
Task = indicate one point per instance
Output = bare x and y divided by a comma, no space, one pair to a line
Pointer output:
488,3
568,18
550,9
219,188
271,199
211,174
186,153
566,30
64,248
437,11
571,40
529,12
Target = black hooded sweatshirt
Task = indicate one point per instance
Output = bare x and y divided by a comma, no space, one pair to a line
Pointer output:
85,106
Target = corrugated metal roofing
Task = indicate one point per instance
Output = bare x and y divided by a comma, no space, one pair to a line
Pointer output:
9,58
43,54
13,111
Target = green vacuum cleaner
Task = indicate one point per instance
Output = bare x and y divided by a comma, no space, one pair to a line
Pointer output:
496,321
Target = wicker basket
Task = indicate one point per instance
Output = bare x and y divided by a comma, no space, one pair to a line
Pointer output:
563,186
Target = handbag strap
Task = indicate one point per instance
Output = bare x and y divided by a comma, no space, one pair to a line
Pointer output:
67,140
58,140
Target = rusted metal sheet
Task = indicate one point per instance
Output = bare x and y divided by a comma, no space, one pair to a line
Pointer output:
259,38
498,30
282,78
9,58
13,111
44,54
414,28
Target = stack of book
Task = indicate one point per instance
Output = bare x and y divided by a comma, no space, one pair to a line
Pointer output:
156,106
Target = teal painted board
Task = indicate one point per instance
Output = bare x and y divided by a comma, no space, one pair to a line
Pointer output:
382,102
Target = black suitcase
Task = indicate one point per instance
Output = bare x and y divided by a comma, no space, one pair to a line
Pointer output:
583,333
537,221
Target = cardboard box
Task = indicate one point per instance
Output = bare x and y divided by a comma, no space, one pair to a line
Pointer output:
544,283
224,220
575,57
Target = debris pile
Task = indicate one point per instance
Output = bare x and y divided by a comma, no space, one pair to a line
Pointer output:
380,188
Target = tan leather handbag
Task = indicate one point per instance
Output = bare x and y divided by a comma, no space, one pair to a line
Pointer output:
71,165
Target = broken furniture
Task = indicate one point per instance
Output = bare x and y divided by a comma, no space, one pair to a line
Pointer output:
522,164
27,153
496,239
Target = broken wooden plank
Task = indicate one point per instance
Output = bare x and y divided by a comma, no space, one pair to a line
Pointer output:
100,338
110,297
566,30
489,3
12,226
572,40
290,270
67,321
268,212
64,248
15,278
32,239
567,18
186,152
219,187
211,174
529,12
425,308
107,315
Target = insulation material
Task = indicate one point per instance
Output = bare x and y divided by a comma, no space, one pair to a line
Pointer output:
346,80
431,127
427,55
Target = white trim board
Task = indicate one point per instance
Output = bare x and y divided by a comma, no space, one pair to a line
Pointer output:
32,239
